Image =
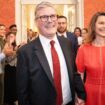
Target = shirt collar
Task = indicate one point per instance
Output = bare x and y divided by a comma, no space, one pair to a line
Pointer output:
45,41
64,34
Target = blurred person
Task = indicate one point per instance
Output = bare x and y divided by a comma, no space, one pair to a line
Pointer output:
38,74
35,35
77,33
7,51
91,57
2,43
10,95
2,35
13,28
62,30
84,33
4,51
31,35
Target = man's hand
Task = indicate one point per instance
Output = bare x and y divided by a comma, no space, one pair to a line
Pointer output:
79,101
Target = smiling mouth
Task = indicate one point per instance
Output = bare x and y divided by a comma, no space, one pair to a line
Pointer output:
50,26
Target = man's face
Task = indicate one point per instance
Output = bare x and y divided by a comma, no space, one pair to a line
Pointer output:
47,28
2,31
14,30
62,25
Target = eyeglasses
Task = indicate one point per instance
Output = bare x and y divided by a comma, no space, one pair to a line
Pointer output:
45,18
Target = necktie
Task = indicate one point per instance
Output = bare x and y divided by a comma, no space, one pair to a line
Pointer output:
57,74
62,35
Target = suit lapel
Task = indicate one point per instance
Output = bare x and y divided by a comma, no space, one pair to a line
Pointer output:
67,56
43,60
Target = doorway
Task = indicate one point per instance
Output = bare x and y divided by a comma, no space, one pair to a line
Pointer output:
25,20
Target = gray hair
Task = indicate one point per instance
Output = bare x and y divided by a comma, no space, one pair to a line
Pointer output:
43,5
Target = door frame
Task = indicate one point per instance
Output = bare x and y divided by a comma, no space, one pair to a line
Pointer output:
20,13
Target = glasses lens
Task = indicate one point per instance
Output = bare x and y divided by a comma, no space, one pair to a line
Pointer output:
45,18
53,17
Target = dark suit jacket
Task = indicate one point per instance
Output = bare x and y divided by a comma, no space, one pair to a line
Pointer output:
35,85
74,41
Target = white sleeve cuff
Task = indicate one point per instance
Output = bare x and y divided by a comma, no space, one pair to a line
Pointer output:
2,56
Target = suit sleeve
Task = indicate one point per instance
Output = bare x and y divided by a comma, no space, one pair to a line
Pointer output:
79,87
22,78
77,81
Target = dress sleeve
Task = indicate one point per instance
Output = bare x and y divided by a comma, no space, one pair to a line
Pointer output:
80,60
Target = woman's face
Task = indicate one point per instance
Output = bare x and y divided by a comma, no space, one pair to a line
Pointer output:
11,38
100,26
77,32
2,31
84,34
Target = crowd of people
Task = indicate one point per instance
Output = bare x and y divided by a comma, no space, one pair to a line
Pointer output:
8,60
55,66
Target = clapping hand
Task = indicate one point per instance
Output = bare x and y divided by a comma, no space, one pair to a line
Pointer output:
8,50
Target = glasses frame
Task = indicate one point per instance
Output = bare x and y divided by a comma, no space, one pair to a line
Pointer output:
45,18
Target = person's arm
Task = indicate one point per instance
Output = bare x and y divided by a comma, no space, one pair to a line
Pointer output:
81,93
80,90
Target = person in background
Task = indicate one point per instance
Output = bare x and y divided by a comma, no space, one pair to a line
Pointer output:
31,35
77,33
91,57
13,28
10,95
43,76
4,51
62,30
84,34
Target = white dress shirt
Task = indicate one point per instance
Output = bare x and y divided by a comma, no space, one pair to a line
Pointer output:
64,34
66,92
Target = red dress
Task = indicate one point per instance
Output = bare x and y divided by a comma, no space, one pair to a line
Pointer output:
92,59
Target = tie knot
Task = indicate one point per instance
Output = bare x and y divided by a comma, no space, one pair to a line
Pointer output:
52,42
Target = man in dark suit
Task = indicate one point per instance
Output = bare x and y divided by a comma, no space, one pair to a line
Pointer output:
35,68
62,30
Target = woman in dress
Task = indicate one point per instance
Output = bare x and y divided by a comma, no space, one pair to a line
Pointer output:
91,57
